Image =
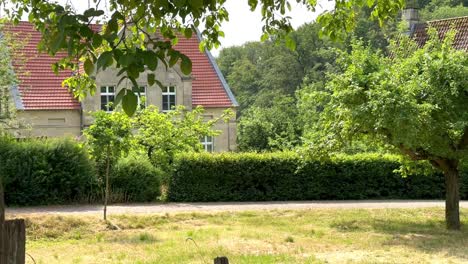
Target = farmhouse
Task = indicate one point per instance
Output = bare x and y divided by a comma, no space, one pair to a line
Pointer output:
50,110
418,30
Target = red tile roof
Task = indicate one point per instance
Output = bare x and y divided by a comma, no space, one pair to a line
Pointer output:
209,88
460,24
40,88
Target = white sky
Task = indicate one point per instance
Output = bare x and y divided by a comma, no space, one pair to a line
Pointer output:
243,25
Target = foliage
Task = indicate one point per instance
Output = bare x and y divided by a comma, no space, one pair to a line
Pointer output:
131,26
44,172
109,137
7,79
413,101
286,176
441,9
268,128
162,135
134,179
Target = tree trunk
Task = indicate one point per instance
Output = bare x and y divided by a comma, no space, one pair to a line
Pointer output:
106,193
452,198
2,204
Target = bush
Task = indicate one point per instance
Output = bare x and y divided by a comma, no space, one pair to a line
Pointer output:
284,176
134,179
38,172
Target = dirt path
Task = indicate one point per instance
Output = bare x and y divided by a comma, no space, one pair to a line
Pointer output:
162,208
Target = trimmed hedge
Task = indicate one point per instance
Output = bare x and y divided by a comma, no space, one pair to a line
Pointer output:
284,176
134,179
38,172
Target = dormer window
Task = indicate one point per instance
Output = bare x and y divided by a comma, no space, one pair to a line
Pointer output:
168,98
107,98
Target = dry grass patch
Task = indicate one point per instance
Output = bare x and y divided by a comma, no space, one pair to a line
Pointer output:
302,236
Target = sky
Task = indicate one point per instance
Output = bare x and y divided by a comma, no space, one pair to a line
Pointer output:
244,25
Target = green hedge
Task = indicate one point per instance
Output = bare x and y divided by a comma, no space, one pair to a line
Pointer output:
46,172
284,176
134,179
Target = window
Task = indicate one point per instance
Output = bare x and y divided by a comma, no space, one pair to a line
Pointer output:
207,142
107,98
141,97
168,98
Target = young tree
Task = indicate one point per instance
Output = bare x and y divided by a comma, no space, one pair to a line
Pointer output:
7,79
66,30
415,100
163,135
108,138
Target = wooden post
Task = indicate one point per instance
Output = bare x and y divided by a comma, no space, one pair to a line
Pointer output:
221,260
2,203
13,242
12,237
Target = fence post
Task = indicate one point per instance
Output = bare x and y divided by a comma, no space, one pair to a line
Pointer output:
12,237
13,242
221,260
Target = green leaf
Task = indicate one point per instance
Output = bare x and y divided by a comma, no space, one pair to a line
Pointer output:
119,96
186,64
290,42
188,33
105,60
151,60
88,66
196,3
130,103
126,59
151,79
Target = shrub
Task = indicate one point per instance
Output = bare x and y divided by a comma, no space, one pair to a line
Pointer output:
134,179
284,176
45,172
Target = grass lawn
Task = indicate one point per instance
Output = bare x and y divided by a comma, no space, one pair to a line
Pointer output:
302,236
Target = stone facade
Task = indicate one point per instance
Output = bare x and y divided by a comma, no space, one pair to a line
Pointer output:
57,123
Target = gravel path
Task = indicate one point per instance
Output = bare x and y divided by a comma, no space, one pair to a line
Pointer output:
162,208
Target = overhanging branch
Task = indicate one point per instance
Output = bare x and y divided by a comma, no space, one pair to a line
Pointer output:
464,140
414,154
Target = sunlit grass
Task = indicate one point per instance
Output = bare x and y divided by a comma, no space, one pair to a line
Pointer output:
302,236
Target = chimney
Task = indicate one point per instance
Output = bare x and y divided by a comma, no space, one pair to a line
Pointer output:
411,14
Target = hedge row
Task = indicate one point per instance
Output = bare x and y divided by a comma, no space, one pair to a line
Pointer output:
45,172
59,171
284,176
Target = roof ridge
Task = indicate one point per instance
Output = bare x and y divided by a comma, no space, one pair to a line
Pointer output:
446,19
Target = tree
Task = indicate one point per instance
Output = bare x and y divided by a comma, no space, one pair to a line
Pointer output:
414,100
129,38
272,127
163,135
108,138
441,9
7,79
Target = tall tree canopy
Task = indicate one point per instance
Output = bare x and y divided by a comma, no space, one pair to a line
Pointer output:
128,38
415,100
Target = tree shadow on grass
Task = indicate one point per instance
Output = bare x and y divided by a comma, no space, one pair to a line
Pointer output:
429,236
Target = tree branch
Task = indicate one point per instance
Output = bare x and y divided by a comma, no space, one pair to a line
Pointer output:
414,154
464,140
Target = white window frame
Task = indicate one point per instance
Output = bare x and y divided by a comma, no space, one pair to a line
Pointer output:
142,93
205,143
107,94
167,92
